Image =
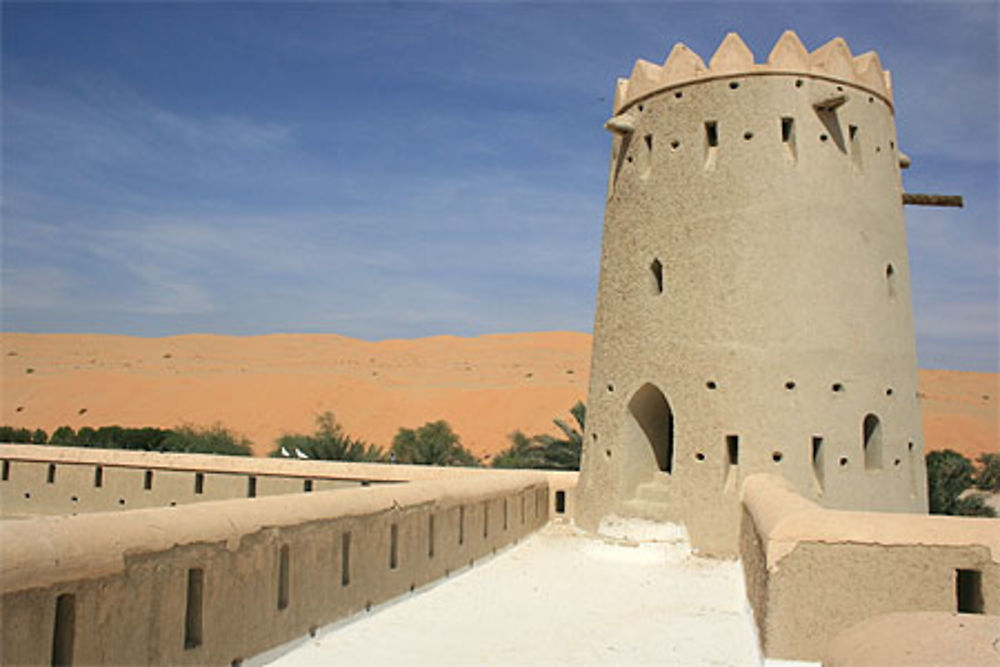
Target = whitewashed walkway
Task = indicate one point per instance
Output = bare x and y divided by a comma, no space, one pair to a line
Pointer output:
559,598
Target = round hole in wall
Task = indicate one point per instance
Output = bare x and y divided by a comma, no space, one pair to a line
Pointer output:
888,392
823,137
121,501
892,144
711,384
629,158
733,85
368,606
607,453
777,456
639,107
27,495
870,99
699,456
173,503
313,630
843,460
836,386
897,462
413,587
748,135
20,408
593,436
840,89
678,94
74,499
674,145
878,149
611,387
790,385
909,446
798,83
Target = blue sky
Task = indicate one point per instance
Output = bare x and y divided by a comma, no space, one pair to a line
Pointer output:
385,170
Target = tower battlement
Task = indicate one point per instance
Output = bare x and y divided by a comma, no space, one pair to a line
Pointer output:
832,61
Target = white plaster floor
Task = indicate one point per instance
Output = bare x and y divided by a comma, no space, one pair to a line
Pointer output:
559,598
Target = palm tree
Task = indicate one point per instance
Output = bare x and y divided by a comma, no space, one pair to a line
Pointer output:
544,450
328,443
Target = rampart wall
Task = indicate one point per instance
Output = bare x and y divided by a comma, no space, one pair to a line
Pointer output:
217,582
811,572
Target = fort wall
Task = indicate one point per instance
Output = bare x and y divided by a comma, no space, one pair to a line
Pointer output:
813,572
224,580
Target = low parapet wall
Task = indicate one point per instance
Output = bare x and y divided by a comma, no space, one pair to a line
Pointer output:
217,582
813,572
47,480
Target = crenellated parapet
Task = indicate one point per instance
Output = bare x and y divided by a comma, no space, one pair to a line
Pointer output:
833,61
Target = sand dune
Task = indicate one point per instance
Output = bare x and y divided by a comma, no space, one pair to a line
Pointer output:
264,386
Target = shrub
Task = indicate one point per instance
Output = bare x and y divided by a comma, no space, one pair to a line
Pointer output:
949,475
434,443
64,435
39,437
215,439
328,443
988,476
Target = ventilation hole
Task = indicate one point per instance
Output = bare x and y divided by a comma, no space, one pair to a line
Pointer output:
870,99
733,85
121,501
393,546
909,446
430,533
733,449
98,477
843,461
878,149
711,384
173,503
50,475
748,135
790,385
969,591
837,387
505,514
656,269
649,142
27,495
640,107
777,456
251,487
193,608
787,127
307,486
313,631
74,499
798,83
890,280
461,525
147,481
607,453
629,159
560,502
699,456
892,144
674,145
888,392
283,577
64,630
823,137
486,519
678,95
199,482
611,387
712,133
840,89
6,470
897,462
345,559
593,436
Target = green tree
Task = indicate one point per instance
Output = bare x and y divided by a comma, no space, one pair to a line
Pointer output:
434,443
988,475
949,475
86,437
544,450
215,439
327,443
39,437
64,435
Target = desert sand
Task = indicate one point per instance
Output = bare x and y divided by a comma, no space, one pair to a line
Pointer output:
264,386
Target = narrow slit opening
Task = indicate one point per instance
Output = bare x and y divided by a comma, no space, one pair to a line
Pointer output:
430,536
193,608
345,559
505,514
307,486
6,470
560,502
712,134
283,577
63,634
733,449
199,482
393,546
656,269
251,487
50,475
147,481
817,461
98,477
486,519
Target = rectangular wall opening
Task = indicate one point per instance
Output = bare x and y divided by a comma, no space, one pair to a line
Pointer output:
307,486
251,486
817,461
711,144
147,481
393,546
560,502
486,519
505,514
63,634
524,514
345,559
430,536
283,577
969,591
733,449
194,607
199,482
461,525
788,136
6,470
50,475
98,477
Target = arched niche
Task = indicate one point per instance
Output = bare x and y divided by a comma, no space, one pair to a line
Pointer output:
651,429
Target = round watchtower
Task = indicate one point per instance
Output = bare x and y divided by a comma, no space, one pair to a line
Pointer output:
754,310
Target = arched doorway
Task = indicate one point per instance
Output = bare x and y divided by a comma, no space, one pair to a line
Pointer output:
652,425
